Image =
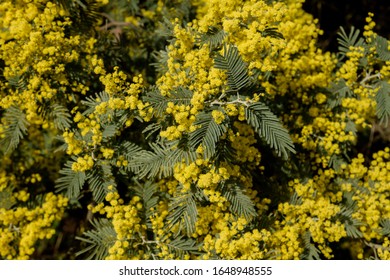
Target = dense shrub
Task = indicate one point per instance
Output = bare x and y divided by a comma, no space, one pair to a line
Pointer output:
190,130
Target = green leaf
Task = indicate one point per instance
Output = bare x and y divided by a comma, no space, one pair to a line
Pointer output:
295,199
346,41
340,91
272,32
181,154
147,192
109,131
92,102
236,69
208,134
159,162
183,212
71,182
99,239
19,82
311,252
150,164
159,103
240,203
351,227
7,199
382,48
382,98
161,57
351,126
336,161
151,129
213,37
127,149
61,117
351,224
181,246
99,178
15,128
83,14
224,152
269,128
385,224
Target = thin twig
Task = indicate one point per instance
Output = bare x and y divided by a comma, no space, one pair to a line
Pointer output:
369,77
375,247
236,101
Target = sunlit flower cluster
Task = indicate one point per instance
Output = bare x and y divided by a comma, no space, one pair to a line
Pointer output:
100,129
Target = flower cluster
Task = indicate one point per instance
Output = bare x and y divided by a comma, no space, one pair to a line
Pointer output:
245,141
126,224
21,228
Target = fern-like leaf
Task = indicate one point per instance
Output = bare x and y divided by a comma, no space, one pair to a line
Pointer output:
272,32
7,199
92,102
151,163
61,117
385,224
161,60
151,129
236,69
382,48
18,82
351,224
269,128
100,239
340,90
181,154
383,102
147,192
311,252
240,203
295,199
99,178
109,131
207,135
336,161
15,128
127,149
183,212
159,103
71,182
351,227
346,41
181,246
84,14
213,37
159,162
224,152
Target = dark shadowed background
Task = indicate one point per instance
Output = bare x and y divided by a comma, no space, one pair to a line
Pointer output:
335,13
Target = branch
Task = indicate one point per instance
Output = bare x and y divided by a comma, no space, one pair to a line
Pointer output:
369,77
376,247
236,101
117,24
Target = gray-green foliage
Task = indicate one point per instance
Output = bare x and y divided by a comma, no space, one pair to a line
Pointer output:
15,130
70,182
370,79
382,99
99,239
269,128
157,157
236,69
208,134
